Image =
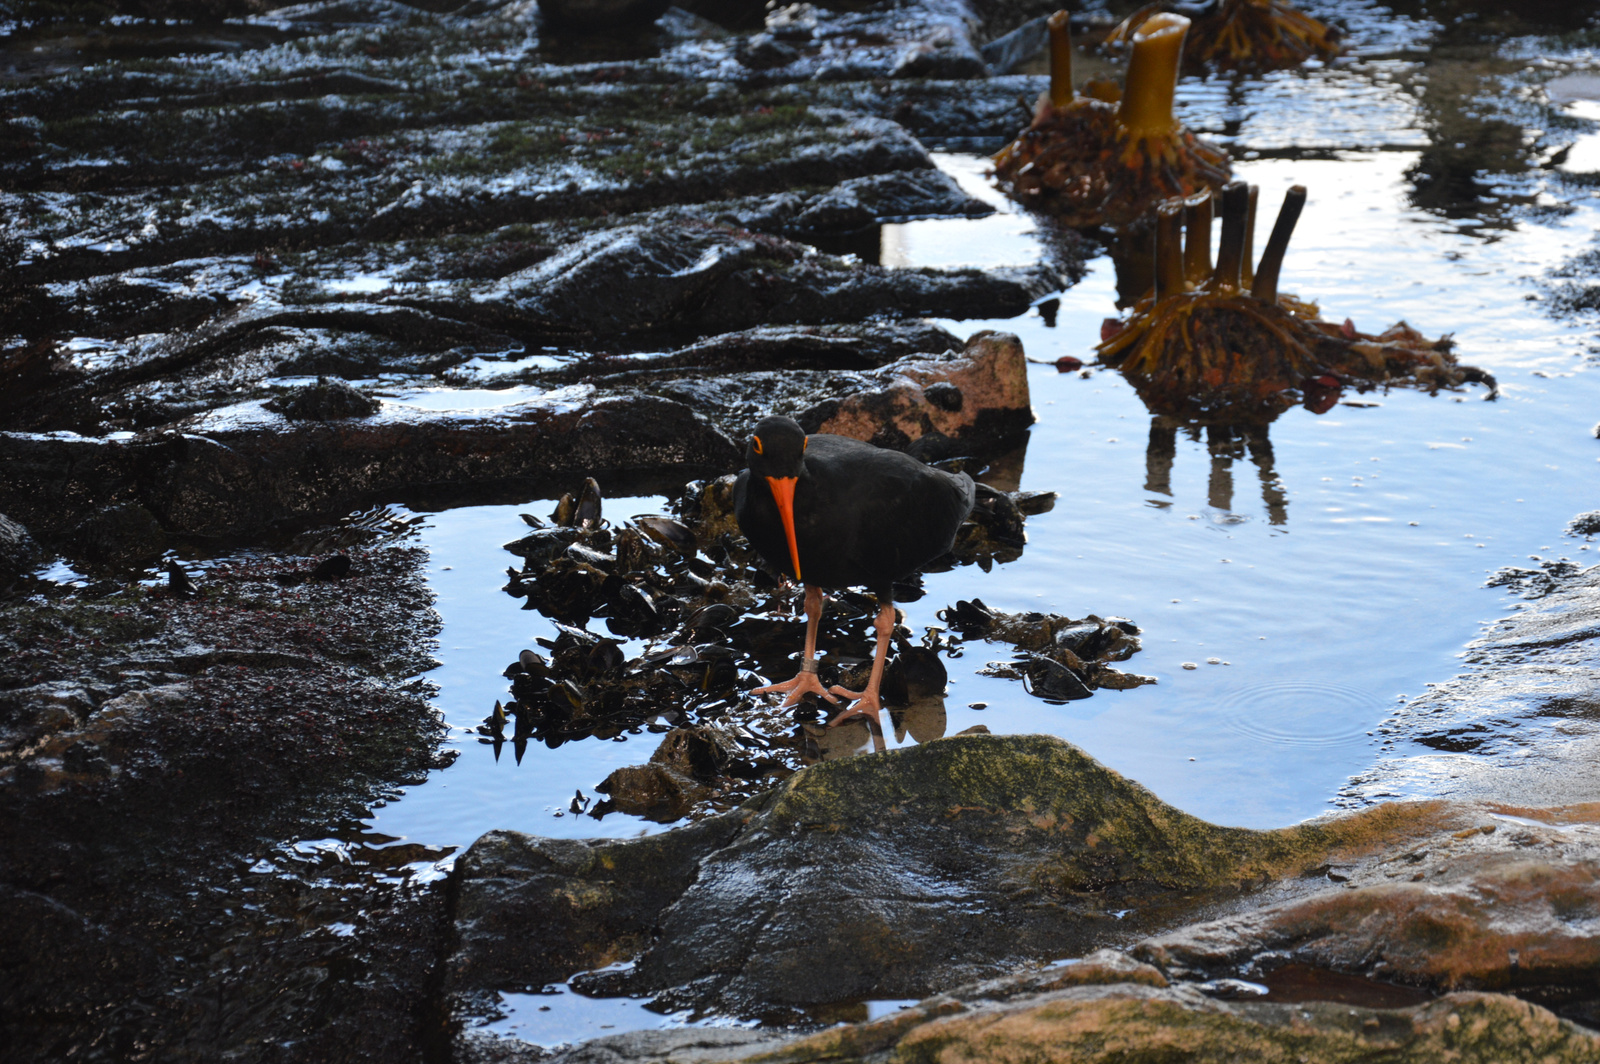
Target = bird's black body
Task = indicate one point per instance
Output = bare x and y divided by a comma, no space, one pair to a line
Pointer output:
864,516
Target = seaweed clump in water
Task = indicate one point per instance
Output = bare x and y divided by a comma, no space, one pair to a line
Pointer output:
1249,36
1058,659
1099,160
713,623
1221,339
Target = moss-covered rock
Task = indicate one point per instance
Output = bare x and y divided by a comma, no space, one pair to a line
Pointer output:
897,875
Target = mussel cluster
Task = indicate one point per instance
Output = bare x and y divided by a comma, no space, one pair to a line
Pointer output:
712,621
1058,659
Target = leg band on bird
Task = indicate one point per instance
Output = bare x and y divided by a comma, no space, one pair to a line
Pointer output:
805,681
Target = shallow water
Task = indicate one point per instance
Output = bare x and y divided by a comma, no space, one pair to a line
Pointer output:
1291,596
1311,597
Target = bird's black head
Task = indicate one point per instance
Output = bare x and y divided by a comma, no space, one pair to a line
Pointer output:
776,453
776,448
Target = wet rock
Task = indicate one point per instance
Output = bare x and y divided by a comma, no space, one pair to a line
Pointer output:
654,791
326,400
773,347
1586,524
893,197
990,375
697,753
1508,727
240,469
18,551
710,278
176,749
609,15
31,714
121,535
1487,907
1019,847
509,878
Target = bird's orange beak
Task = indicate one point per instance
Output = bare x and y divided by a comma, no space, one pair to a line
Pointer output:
783,493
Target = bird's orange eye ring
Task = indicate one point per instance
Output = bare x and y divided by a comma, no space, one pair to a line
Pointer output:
755,444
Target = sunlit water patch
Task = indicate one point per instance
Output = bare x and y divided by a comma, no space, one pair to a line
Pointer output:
558,1015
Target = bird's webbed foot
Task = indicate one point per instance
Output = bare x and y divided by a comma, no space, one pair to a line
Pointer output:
805,682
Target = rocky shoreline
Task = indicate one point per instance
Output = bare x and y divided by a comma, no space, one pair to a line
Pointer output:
243,249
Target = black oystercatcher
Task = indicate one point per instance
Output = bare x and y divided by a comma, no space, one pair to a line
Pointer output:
834,512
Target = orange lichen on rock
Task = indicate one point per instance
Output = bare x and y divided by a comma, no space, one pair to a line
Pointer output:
1093,162
1203,339
1245,35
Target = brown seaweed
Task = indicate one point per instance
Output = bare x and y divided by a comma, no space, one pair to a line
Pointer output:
1092,162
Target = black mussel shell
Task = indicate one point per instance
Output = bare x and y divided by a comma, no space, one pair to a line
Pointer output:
1053,681
718,616
1085,639
968,618
668,533
999,516
635,552
586,514
961,464
538,548
918,673
566,511
1033,503
589,556
604,657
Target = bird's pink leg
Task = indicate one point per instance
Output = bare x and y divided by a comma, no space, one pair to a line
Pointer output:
866,700
805,681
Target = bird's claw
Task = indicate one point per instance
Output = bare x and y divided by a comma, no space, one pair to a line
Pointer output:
865,705
794,690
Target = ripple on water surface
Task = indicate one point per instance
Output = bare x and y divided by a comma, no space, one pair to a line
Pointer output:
1301,713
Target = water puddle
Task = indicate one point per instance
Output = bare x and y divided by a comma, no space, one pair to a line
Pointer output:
559,1015
1004,238
1295,983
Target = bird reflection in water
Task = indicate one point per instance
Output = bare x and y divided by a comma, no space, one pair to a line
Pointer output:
922,721
913,695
